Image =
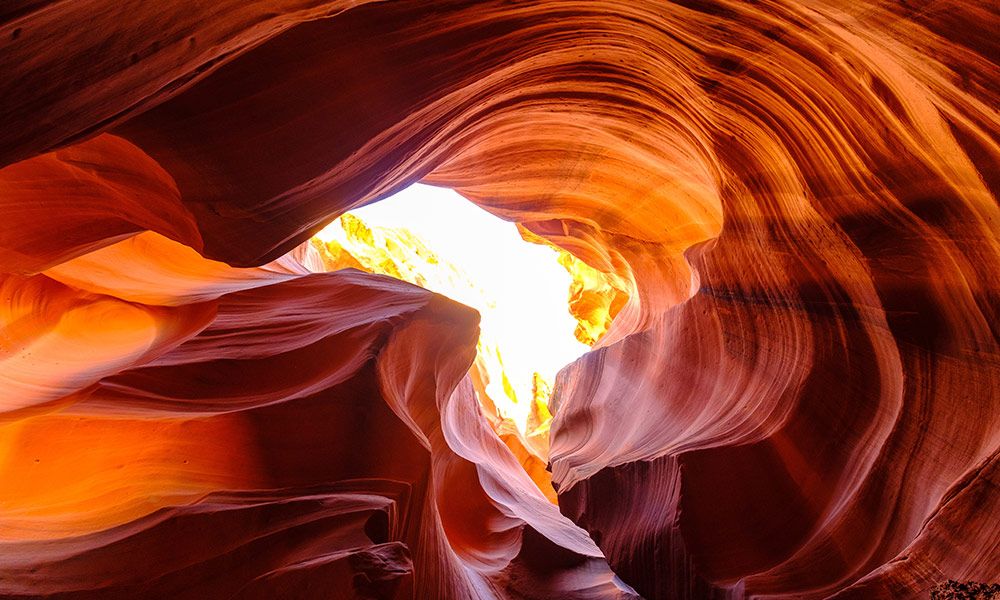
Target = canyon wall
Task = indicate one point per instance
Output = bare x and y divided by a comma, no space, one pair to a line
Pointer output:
798,399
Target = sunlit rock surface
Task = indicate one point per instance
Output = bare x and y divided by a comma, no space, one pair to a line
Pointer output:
798,399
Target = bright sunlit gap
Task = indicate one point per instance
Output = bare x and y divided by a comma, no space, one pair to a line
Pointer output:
437,239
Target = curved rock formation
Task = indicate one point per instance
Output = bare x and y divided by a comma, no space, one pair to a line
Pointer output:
799,398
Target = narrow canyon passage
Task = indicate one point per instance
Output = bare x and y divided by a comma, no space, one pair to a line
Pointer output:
436,239
540,308
777,228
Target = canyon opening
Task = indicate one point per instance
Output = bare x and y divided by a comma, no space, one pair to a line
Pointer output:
540,307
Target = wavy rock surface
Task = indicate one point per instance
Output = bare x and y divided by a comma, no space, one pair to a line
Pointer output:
798,399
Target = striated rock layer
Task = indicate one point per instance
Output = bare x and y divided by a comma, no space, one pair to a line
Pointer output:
799,398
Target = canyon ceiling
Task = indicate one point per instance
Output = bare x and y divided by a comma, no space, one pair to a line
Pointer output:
792,205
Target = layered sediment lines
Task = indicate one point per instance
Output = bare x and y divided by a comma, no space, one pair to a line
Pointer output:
798,399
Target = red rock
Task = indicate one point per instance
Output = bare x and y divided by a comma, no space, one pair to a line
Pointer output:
798,400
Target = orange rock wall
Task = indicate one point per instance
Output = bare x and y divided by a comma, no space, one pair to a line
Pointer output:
799,398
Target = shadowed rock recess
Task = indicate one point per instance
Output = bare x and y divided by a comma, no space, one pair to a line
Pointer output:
798,399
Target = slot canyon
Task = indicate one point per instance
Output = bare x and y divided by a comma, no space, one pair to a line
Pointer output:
778,228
